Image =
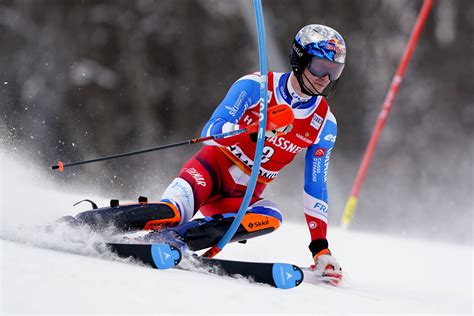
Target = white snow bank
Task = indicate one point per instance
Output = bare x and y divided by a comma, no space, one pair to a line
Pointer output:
383,274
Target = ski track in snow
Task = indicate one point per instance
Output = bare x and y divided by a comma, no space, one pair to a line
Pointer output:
62,272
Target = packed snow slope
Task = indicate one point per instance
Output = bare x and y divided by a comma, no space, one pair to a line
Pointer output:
60,272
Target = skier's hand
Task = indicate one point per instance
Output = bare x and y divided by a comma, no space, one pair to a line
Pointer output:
275,132
279,131
279,122
279,117
326,267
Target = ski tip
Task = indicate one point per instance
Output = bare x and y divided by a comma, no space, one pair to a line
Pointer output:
165,256
158,256
287,276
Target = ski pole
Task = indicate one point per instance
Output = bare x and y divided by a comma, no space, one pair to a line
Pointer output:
249,129
257,4
351,203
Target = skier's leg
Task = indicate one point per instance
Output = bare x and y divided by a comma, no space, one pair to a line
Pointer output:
262,218
192,187
220,202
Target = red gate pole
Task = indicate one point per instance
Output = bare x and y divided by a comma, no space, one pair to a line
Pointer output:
351,203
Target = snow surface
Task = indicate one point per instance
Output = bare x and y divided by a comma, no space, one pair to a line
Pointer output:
60,271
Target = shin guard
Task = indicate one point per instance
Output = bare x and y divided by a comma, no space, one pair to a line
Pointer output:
205,233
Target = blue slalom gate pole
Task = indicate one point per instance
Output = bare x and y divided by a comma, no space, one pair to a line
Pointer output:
257,4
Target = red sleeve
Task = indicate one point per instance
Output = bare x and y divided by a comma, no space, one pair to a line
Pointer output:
317,228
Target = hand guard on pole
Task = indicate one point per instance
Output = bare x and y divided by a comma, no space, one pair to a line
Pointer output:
279,122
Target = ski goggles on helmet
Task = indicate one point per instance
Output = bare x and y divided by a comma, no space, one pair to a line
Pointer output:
322,67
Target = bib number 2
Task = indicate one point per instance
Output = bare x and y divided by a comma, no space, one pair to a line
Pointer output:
267,153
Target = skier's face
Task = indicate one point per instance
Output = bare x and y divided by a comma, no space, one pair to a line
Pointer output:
320,83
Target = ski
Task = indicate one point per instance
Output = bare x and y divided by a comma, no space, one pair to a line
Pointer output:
164,256
158,256
279,275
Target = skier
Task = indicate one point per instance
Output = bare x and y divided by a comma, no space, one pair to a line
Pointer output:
214,180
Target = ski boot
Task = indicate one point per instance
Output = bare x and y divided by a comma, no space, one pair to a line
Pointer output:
206,232
126,218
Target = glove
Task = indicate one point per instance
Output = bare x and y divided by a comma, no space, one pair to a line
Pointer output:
279,131
272,133
325,265
279,122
